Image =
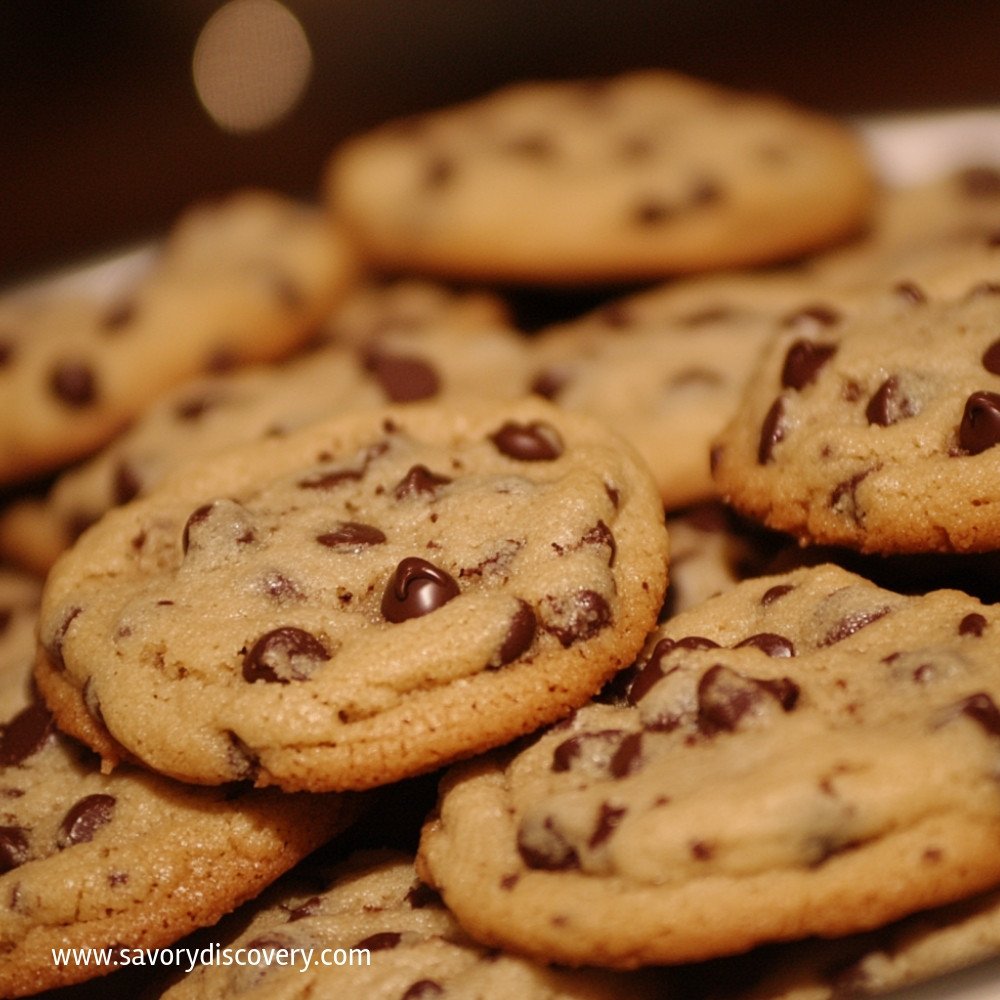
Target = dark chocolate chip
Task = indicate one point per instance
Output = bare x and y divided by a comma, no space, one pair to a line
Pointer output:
55,646
13,847
280,587
73,382
416,589
769,643
520,634
238,530
351,535
306,909
330,480
772,431
889,404
972,624
556,855
422,895
419,481
600,534
981,708
580,616
991,358
382,941
627,759
126,484
725,697
282,655
803,363
980,426
776,592
84,819
534,442
403,378
423,989
608,817
25,734
571,749
548,383
852,623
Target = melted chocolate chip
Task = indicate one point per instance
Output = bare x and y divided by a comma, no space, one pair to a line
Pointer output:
330,480
403,378
627,759
888,404
382,941
520,634
725,697
534,442
991,358
852,623
769,643
803,363
571,749
423,989
419,481
972,624
422,895
283,655
580,617
981,708
772,431
556,855
13,847
775,593
55,646
608,818
73,382
980,426
600,534
84,819
25,734
416,589
351,535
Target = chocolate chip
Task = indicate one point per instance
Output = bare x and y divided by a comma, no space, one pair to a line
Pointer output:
403,378
520,634
423,989
772,431
600,534
126,484
280,587
972,624
577,617
419,481
981,708
25,734
627,759
803,362
533,442
889,404
13,847
608,817
980,426
84,819
351,535
422,895
282,655
306,909
416,589
769,643
852,623
553,854
232,517
725,697
991,358
74,382
382,941
775,593
54,648
549,382
330,480
571,749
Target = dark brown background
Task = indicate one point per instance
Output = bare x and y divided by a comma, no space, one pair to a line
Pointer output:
104,141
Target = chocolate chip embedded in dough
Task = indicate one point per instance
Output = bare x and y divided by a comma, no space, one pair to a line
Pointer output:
769,643
419,481
520,635
981,708
403,378
775,593
991,358
417,588
283,655
725,697
126,484
772,431
889,404
803,363
25,734
13,847
628,758
84,819
980,426
55,645
423,989
548,851
852,623
351,535
533,442
73,383
231,521
576,617
382,941
608,818
972,624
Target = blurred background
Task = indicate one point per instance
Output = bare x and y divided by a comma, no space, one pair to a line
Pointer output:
115,114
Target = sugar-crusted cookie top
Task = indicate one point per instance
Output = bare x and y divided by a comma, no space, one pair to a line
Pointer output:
777,750
643,175
879,432
362,599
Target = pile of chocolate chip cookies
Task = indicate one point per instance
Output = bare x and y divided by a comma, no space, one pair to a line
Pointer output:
337,600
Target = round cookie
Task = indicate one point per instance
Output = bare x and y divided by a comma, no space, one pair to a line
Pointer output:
364,599
405,944
806,754
89,860
206,416
635,177
246,279
877,433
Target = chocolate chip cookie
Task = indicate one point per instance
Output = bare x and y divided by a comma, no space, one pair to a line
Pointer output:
360,600
807,754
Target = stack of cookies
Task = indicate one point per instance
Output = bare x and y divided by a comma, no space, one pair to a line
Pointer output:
337,599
